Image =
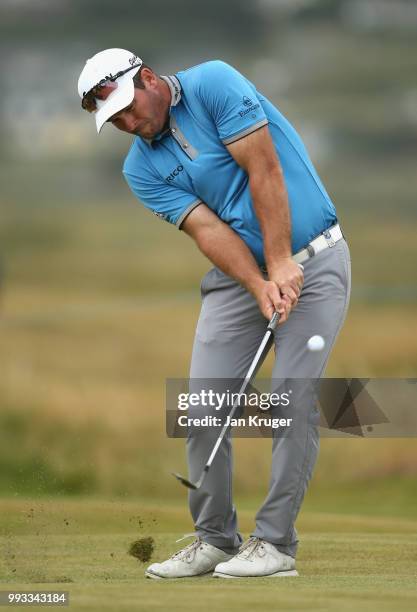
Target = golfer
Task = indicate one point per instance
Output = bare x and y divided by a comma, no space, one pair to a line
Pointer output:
215,158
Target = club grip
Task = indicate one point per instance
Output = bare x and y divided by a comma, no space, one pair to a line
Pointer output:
274,321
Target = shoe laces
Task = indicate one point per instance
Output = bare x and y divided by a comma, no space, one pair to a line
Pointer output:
250,548
188,553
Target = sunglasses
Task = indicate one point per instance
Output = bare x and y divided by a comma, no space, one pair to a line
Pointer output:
103,89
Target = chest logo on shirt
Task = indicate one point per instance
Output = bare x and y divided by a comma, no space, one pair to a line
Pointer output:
250,106
174,173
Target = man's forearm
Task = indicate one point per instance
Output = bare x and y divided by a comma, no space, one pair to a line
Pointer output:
256,154
229,253
270,200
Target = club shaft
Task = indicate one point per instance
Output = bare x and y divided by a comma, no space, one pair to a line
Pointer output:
262,350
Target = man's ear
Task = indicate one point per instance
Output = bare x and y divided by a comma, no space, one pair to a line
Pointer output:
148,77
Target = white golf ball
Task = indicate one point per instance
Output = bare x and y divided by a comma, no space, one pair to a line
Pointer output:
315,343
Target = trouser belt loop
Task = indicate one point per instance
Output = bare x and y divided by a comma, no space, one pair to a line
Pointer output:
310,250
329,239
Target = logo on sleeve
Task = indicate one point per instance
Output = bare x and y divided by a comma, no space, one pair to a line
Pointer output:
250,106
160,215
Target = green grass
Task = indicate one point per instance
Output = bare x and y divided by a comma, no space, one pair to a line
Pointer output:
345,561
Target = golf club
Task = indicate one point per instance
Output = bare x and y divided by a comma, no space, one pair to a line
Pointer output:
256,363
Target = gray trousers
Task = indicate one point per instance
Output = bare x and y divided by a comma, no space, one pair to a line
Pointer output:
229,331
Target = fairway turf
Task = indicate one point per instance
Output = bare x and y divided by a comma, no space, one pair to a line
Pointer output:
345,561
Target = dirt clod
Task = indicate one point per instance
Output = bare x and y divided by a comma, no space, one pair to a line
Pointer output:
142,549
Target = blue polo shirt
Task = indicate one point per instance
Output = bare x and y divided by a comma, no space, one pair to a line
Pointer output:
213,105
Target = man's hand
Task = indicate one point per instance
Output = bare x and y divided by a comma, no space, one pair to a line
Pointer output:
269,300
281,291
288,277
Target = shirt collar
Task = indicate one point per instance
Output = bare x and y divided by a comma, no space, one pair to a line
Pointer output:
175,89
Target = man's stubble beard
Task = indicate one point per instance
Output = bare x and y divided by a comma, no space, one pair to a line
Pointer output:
159,121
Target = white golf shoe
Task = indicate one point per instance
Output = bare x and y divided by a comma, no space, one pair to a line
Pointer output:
257,558
196,559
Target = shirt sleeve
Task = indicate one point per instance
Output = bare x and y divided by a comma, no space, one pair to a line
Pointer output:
165,201
231,100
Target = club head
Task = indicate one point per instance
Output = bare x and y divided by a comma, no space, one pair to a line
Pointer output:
187,483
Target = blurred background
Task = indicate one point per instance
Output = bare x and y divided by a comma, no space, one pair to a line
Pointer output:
99,299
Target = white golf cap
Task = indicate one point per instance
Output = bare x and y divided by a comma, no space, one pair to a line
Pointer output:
106,65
